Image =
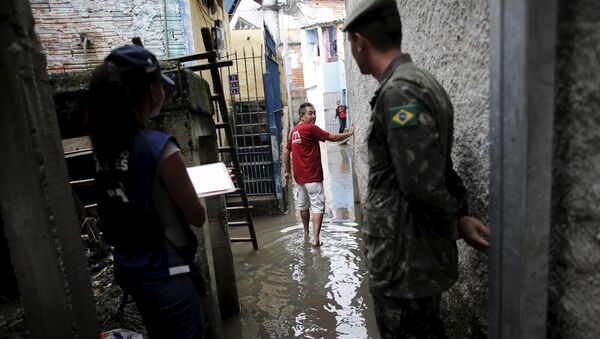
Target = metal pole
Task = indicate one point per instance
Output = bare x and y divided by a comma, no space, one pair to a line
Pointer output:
522,66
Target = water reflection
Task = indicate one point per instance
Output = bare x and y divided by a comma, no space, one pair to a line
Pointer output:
290,289
339,203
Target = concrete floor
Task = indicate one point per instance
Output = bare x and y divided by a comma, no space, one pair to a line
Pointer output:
290,289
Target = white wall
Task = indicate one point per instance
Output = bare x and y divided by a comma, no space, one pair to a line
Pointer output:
250,11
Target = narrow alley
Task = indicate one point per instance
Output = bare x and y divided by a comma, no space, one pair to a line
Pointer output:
474,151
288,288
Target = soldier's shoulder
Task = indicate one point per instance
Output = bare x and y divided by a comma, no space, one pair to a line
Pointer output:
404,78
409,72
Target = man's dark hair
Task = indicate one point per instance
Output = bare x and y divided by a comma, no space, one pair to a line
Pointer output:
384,34
302,108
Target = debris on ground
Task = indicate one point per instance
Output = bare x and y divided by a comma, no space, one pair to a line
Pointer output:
111,311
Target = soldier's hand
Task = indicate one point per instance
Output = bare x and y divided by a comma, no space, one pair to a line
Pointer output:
474,232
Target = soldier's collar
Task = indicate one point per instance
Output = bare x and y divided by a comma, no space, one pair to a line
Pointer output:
399,60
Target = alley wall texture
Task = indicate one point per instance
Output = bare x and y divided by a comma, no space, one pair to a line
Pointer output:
450,39
574,291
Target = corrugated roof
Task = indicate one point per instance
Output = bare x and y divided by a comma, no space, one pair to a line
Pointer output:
323,23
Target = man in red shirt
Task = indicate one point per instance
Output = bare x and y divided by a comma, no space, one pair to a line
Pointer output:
308,172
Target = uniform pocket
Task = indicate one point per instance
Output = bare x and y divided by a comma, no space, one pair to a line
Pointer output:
381,247
378,223
380,214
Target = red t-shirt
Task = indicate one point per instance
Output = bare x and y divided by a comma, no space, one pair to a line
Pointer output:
306,154
341,111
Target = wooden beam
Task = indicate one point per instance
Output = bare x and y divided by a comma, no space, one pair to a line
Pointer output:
193,57
212,65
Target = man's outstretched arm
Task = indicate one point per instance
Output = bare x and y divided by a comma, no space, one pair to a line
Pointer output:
341,136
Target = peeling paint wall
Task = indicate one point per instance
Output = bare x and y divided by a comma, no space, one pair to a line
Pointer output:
450,39
574,295
78,34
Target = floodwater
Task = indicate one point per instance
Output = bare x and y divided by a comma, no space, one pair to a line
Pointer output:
290,289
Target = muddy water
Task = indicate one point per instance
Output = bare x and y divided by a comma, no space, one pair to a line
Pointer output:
290,289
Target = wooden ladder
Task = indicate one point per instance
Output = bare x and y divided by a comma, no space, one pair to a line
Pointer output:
223,124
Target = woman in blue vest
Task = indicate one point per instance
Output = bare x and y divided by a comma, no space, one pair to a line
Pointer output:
146,200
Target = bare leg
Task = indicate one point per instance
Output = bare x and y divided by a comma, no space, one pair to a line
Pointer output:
305,216
317,220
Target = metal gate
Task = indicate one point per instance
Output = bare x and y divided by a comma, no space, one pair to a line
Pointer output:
249,121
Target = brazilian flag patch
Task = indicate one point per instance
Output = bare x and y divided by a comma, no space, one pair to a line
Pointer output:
403,116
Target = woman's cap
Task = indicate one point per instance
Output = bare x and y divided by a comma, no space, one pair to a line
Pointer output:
136,60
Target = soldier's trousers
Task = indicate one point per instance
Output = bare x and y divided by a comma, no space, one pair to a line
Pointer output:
409,318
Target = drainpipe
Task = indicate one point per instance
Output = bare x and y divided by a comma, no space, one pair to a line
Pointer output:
166,29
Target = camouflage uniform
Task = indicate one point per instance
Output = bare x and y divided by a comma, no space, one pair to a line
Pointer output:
414,196
414,200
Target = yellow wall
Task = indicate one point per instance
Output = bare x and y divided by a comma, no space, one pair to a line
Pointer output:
202,16
249,40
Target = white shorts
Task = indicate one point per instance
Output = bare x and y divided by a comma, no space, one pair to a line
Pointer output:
310,195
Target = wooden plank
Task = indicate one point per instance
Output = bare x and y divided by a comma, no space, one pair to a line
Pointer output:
193,57
212,65
242,240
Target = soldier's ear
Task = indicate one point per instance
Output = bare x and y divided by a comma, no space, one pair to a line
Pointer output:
359,40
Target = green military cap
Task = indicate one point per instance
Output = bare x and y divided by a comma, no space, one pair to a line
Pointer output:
370,10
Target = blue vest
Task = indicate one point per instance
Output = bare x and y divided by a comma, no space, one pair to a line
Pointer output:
128,217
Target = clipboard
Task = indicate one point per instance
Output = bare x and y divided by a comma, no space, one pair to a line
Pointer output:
211,179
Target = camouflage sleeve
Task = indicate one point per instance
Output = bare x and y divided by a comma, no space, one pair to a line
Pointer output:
457,189
418,153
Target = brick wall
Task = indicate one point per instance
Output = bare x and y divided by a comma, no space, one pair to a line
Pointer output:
297,77
64,25
338,6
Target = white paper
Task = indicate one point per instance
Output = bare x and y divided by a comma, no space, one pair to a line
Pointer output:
211,179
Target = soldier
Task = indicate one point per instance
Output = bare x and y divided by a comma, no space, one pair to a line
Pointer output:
416,205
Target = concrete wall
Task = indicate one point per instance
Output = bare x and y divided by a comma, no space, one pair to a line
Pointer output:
450,39
575,234
38,215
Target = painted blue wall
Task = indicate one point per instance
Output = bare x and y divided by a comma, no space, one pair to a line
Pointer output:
332,80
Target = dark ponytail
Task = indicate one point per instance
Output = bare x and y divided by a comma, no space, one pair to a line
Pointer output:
113,104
